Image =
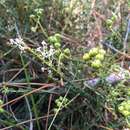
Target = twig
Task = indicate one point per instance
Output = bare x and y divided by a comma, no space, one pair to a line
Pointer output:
125,40
116,50
50,98
24,122
22,69
26,94
20,84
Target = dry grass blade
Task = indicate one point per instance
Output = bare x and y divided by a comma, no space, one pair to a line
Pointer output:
31,92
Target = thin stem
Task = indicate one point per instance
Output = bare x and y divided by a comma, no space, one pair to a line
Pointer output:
58,110
32,99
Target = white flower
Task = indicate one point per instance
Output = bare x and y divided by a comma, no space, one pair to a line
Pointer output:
44,43
38,49
51,51
42,69
45,54
19,43
11,41
49,71
46,51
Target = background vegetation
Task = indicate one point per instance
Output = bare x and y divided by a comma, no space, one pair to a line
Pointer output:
49,52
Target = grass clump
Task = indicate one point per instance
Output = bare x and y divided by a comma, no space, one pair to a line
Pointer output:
58,60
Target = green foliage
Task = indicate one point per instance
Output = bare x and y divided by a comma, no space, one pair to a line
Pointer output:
95,56
61,102
124,108
48,42
1,109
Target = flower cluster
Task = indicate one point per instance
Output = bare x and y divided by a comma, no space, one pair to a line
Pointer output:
19,43
47,52
50,53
